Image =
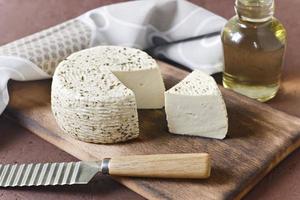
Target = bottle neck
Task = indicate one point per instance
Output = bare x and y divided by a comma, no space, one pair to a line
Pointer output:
254,10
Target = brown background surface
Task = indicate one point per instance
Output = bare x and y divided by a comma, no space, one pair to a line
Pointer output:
19,18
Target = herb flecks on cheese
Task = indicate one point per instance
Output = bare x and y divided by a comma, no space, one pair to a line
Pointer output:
134,68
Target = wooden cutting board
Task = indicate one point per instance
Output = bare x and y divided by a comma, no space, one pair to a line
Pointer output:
259,138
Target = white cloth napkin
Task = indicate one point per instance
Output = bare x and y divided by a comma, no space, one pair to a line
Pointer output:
172,29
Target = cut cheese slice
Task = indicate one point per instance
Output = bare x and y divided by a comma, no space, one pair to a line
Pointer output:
93,98
195,107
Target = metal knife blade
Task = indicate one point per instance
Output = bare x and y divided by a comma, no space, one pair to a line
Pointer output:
48,173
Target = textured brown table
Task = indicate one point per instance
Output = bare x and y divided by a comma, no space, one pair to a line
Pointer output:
19,18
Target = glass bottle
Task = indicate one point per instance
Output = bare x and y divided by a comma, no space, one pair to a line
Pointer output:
254,45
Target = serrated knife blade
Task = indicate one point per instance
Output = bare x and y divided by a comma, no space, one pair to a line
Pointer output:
48,173
195,165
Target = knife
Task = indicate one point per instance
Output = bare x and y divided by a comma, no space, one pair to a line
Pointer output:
193,165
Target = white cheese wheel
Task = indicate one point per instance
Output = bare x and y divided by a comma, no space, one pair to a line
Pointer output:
195,107
94,98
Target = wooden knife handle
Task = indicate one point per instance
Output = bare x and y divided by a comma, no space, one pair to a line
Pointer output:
193,165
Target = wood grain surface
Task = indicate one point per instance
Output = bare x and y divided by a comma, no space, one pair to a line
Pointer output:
259,138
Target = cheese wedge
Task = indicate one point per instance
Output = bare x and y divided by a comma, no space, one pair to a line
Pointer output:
95,93
195,107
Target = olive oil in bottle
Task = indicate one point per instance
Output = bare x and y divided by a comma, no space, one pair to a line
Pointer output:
254,45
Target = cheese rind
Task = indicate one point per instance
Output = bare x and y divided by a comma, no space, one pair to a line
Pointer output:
95,93
195,107
92,105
